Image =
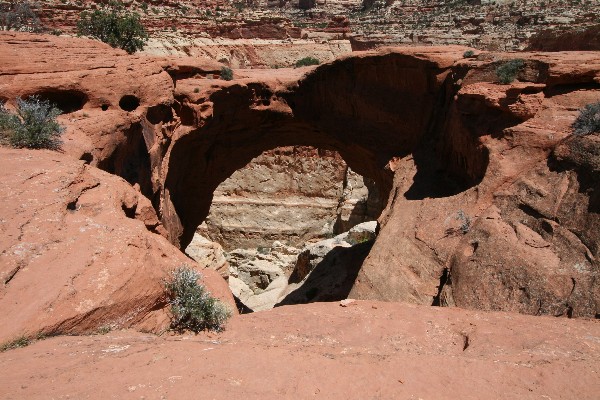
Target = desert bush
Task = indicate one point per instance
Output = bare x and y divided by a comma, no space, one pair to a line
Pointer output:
192,306
468,54
6,124
507,71
19,16
114,26
34,126
226,73
588,120
306,61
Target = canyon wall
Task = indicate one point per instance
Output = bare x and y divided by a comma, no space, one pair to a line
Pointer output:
268,34
291,195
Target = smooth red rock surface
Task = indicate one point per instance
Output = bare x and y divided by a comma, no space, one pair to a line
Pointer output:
366,350
76,253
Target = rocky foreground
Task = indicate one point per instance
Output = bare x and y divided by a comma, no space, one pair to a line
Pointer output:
366,350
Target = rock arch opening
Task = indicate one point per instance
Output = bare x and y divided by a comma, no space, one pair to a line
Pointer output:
278,218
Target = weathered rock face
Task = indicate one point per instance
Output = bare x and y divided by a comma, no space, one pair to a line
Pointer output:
76,251
326,270
537,246
291,195
566,39
464,159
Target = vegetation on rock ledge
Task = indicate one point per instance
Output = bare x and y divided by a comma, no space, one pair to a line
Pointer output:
588,120
306,61
19,16
507,71
226,73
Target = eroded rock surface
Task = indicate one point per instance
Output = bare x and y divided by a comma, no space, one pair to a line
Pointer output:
291,195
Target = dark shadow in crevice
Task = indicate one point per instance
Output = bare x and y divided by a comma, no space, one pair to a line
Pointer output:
67,101
131,161
444,280
433,180
565,88
160,113
241,307
333,278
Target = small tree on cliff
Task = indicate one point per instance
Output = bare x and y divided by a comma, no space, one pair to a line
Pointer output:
115,27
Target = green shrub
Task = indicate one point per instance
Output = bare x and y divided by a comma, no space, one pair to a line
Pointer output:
192,306
306,61
34,126
588,120
468,54
226,73
507,71
117,28
19,16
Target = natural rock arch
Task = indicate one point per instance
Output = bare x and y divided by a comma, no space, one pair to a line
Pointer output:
371,109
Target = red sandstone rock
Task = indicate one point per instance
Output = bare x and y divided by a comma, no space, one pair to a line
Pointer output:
366,350
74,254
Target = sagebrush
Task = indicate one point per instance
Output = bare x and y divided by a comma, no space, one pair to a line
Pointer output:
226,73
21,341
192,306
34,126
468,54
508,70
114,26
306,61
588,120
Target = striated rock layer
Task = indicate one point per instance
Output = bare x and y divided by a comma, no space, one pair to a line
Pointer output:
492,201
291,195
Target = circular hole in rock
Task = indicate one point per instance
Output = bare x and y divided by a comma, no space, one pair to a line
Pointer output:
129,102
104,107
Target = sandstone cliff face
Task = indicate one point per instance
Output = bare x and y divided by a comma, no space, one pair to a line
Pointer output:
490,197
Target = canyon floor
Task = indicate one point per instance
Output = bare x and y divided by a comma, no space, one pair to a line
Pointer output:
364,350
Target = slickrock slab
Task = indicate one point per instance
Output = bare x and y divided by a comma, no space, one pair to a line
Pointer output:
369,350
